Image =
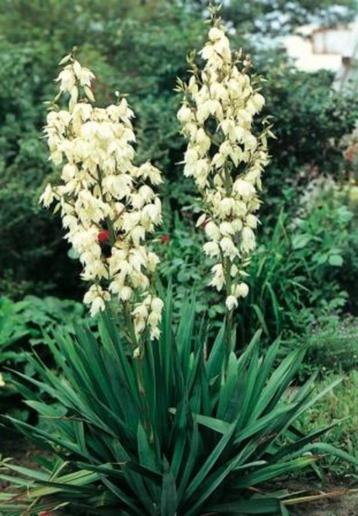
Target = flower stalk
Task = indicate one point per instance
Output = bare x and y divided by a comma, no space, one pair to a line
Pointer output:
225,156
107,203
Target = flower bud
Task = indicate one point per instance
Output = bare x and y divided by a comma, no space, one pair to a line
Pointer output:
231,303
241,290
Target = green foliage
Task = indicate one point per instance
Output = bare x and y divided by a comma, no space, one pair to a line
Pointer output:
294,273
167,435
308,112
350,269
55,20
34,259
183,264
338,407
310,118
333,345
23,326
33,252
138,49
29,317
296,276
279,286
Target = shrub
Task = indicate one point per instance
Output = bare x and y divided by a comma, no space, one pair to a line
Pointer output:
183,266
36,260
32,259
25,320
22,330
168,435
295,274
156,37
298,274
332,345
310,120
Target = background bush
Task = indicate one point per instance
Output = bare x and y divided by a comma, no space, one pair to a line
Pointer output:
24,326
297,275
138,49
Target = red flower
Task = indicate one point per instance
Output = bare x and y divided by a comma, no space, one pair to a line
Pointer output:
164,239
103,236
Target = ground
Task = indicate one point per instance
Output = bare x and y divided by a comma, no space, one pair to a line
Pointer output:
344,506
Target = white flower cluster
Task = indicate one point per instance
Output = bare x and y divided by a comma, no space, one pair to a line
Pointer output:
225,158
107,203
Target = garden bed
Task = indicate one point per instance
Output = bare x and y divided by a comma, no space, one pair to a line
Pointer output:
24,454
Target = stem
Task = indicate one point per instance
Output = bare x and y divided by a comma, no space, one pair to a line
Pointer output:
129,323
112,233
139,369
226,264
138,343
140,377
228,340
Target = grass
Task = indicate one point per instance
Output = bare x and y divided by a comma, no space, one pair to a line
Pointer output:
339,404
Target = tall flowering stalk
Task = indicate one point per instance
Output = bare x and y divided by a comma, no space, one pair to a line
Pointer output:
225,156
107,203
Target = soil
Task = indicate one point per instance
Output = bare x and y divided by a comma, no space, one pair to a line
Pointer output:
346,505
336,499
21,452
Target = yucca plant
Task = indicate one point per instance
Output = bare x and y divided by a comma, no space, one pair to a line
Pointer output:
143,416
186,441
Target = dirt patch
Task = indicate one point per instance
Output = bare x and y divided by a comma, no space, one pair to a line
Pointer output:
346,505
329,499
22,453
